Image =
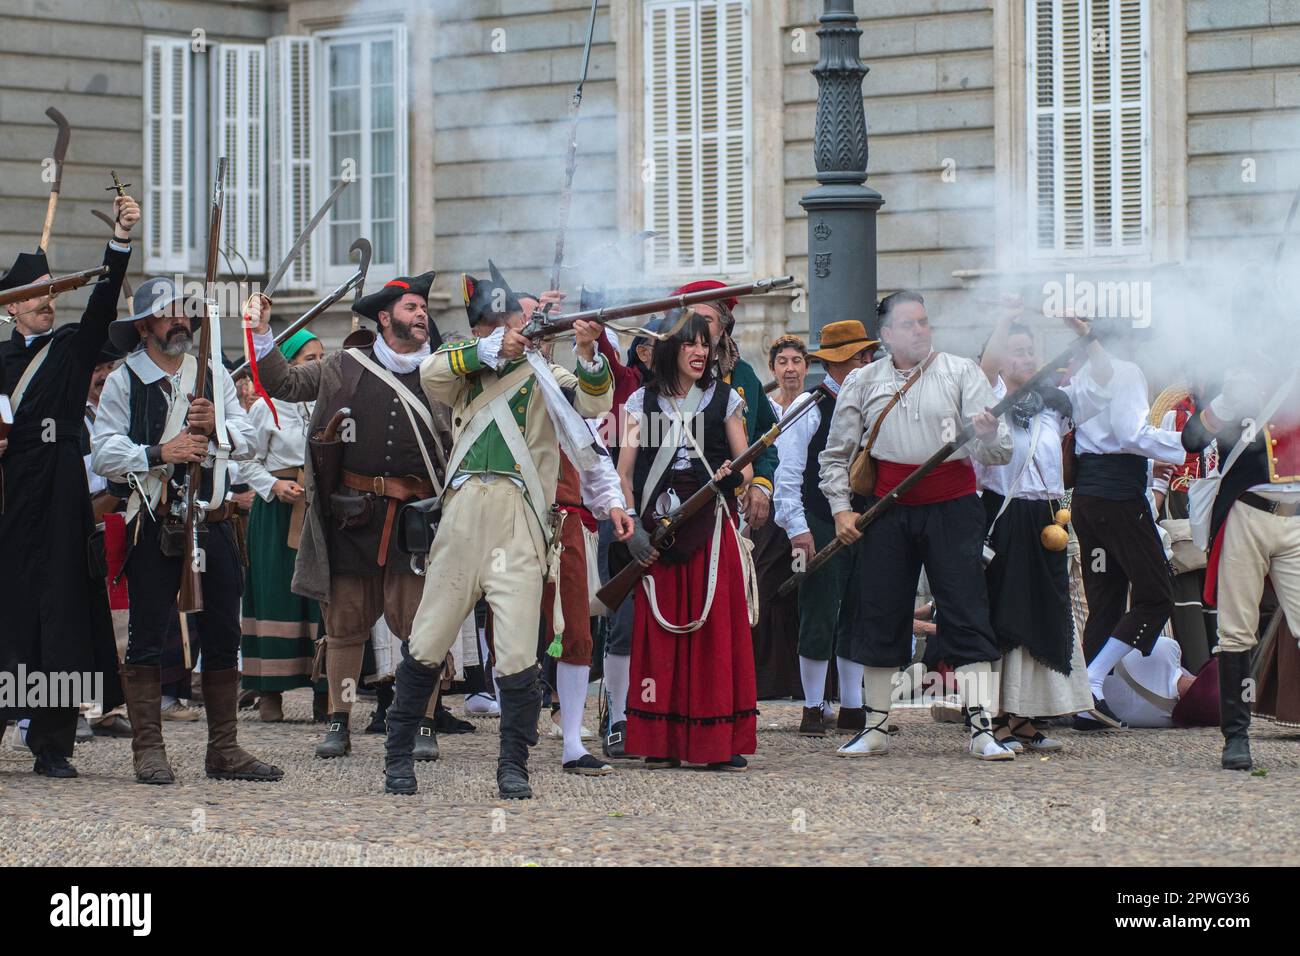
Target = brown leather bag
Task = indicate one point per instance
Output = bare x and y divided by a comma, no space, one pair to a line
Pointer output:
862,470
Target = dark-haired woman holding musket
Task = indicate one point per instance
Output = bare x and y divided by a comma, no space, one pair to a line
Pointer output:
692,676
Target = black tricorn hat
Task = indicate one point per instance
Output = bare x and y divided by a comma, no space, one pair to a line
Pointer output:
27,268
107,354
371,305
485,300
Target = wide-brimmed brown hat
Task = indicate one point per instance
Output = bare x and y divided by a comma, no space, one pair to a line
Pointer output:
843,340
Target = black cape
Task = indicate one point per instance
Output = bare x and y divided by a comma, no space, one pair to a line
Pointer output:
54,612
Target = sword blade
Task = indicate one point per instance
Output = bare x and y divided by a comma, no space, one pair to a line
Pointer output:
332,198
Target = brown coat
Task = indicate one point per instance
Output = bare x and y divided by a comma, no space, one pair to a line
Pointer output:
321,382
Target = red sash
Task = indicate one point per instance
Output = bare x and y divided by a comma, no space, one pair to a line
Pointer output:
951,480
115,557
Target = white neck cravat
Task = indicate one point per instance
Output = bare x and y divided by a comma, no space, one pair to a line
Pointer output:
401,363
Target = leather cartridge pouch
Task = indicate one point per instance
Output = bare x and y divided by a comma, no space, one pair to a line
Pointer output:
172,541
417,523
351,511
327,468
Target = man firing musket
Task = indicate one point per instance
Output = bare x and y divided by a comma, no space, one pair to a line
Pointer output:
56,610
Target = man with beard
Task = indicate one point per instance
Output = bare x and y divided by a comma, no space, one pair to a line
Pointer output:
152,425
348,558
54,602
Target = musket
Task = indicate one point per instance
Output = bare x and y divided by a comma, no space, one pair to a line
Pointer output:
542,326
191,596
50,287
571,163
362,248
60,152
616,591
964,434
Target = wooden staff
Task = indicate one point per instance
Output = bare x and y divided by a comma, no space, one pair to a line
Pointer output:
60,152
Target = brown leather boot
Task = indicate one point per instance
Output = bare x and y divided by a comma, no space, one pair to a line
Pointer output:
144,705
226,760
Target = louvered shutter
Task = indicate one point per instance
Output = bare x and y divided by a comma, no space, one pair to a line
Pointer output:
166,153
290,72
697,135
1088,118
239,120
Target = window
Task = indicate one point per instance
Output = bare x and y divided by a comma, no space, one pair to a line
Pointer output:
167,154
291,67
363,101
1088,113
200,105
697,135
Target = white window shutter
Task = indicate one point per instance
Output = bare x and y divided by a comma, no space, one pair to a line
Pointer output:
239,120
290,76
1088,117
697,135
166,153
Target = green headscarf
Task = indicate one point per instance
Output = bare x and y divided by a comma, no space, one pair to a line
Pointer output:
294,343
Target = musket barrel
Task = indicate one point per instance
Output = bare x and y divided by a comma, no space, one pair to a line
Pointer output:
542,329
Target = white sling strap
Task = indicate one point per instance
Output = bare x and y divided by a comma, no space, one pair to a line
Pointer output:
147,487
29,373
669,444
221,460
413,406
715,546
478,416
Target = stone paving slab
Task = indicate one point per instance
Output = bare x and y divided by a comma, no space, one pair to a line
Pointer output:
1152,797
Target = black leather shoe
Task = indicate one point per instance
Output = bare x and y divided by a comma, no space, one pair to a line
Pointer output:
426,741
445,722
337,742
54,765
115,726
379,719
614,743
1103,718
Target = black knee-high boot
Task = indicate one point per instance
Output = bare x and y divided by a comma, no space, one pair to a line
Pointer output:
521,704
412,688
1234,711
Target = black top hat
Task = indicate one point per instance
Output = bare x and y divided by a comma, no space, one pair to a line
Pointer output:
151,298
485,300
27,268
371,305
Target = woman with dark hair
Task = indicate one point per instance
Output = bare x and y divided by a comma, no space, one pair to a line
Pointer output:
1042,671
692,668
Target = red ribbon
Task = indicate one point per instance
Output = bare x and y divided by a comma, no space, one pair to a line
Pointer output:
252,371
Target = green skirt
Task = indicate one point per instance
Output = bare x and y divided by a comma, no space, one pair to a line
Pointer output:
279,626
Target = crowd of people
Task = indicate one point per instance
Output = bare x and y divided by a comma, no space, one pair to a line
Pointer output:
1061,567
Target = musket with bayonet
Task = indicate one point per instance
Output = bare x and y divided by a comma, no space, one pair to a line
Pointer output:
356,282
542,326
616,591
191,596
965,433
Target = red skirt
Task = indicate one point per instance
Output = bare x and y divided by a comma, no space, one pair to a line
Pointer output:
692,696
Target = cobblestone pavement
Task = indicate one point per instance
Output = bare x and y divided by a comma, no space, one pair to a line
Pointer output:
1142,797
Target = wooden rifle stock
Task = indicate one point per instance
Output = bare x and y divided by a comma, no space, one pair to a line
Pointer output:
620,585
964,435
51,287
543,326
191,596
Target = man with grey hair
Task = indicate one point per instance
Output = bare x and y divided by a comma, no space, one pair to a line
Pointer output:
904,408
